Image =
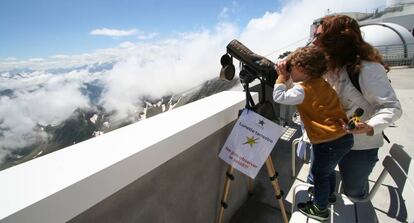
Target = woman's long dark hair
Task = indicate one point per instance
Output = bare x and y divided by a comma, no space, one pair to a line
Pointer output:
341,39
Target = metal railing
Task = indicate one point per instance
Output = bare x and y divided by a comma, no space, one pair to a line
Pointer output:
398,54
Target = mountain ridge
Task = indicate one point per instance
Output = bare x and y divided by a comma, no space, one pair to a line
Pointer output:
84,124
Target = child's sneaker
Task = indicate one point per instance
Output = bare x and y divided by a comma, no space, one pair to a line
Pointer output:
312,211
331,198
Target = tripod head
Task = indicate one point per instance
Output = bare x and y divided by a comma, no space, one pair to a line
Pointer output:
252,66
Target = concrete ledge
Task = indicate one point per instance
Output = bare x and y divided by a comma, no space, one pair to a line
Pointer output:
61,185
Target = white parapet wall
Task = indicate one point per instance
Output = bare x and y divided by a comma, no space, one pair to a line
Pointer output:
60,186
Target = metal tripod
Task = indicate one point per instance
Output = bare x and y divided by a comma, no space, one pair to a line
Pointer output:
273,175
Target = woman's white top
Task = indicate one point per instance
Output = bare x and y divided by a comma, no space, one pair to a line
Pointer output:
378,100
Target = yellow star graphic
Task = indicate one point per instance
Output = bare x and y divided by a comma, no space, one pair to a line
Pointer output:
251,141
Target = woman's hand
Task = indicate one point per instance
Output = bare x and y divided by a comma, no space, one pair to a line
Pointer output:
282,72
360,128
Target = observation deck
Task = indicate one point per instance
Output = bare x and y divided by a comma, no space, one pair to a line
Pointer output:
166,169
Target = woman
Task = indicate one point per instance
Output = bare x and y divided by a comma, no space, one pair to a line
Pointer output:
357,72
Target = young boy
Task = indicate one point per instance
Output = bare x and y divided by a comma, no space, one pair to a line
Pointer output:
322,116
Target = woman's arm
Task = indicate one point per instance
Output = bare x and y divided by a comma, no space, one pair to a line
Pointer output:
377,90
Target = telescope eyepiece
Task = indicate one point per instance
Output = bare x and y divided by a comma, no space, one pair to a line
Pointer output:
228,70
225,60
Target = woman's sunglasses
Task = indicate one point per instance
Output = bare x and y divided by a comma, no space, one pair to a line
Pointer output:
313,29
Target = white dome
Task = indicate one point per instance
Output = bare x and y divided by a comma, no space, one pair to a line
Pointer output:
383,34
389,36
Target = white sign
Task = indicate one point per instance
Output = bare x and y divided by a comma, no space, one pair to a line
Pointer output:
250,142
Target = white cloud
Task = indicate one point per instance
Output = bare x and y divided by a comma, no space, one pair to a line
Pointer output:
168,67
113,32
227,12
40,99
224,13
147,36
10,59
68,61
35,60
60,56
126,44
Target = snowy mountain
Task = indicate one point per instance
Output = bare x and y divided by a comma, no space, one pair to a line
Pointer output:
84,124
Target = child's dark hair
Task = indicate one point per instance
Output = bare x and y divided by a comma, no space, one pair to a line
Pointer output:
311,60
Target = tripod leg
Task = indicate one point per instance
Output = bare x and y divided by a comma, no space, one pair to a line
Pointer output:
250,185
275,183
229,178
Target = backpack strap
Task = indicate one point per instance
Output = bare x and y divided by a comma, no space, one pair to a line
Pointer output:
385,137
354,77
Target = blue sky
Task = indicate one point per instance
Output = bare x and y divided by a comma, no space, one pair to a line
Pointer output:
43,28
